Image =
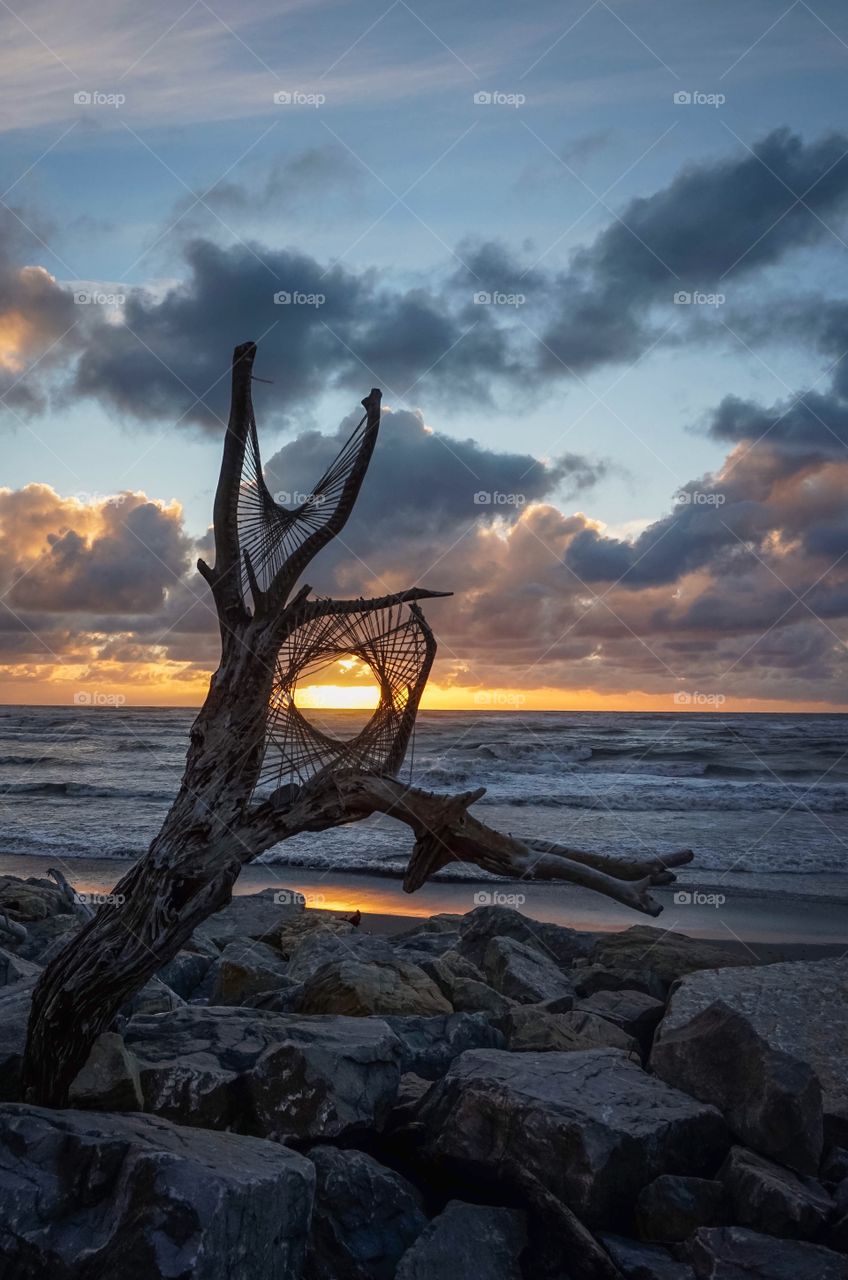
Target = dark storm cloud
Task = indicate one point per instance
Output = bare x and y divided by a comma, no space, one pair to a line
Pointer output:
422,482
712,222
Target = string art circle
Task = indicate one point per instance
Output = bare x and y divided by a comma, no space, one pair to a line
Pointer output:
397,646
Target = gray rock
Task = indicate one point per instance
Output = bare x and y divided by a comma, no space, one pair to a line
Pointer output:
596,977
528,1029
136,1198
361,988
154,997
186,971
109,1081
522,973
468,1242
365,1217
299,927
671,1208
251,915
562,946
429,945
244,969
768,1198
766,1045
633,1011
592,1127
468,996
280,1076
430,1045
31,899
734,1253
46,938
15,1004
321,947
15,969
668,956
638,1261
449,968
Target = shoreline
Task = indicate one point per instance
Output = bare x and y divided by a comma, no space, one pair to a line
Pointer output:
753,915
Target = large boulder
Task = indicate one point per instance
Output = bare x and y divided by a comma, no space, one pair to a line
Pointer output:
251,915
521,972
136,1198
530,1029
561,945
636,1260
365,1217
592,1127
15,969
109,1080
672,1207
667,955
15,1004
634,1012
322,946
734,1253
360,988
31,899
468,1242
244,969
430,1045
771,1199
281,1076
298,927
187,970
766,1045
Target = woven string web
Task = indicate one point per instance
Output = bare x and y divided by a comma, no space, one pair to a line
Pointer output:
393,642
272,534
398,650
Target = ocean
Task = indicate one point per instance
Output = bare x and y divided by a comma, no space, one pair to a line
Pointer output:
756,795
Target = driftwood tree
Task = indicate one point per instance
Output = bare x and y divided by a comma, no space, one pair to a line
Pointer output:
257,773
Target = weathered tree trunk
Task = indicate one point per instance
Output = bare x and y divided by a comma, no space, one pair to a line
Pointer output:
212,828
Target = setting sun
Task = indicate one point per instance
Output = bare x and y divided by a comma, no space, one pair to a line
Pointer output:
337,697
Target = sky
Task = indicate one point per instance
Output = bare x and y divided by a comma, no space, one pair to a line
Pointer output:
593,253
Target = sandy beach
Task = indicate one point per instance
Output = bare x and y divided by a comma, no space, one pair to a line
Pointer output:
782,917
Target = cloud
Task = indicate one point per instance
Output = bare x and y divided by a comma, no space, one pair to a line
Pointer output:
339,328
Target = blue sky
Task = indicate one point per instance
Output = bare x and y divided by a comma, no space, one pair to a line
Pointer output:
387,170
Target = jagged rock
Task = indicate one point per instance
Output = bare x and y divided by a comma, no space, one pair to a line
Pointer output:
109,1081
430,1045
449,968
136,1198
45,938
360,988
293,932
592,1127
31,899
591,979
428,945
635,1012
638,1261
365,1217
765,1044
834,1166
468,1242
251,915
14,969
768,1198
468,996
668,956
154,997
410,1092
671,1207
187,970
15,1003
529,1030
562,946
522,973
244,969
268,1073
322,947
284,999
734,1253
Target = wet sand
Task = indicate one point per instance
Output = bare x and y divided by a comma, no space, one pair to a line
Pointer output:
768,923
